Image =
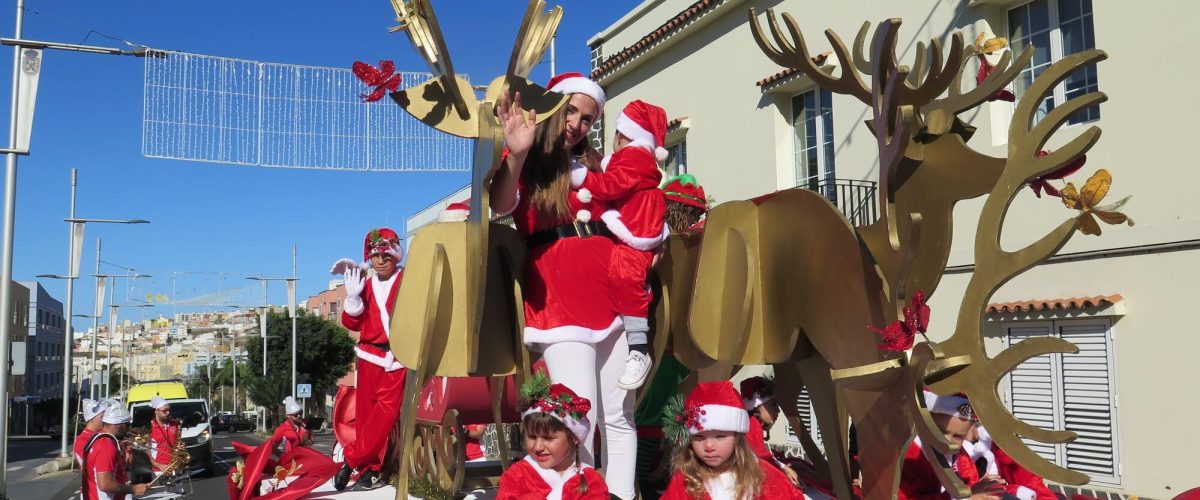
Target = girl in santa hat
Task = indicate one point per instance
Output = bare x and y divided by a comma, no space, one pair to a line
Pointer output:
554,424
569,315
713,459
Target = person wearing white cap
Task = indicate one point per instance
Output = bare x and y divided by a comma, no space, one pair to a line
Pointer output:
164,433
953,415
104,474
291,432
93,411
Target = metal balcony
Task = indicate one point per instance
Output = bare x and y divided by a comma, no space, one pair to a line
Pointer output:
855,198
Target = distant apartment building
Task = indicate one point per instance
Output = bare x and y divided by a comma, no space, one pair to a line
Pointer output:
19,300
44,347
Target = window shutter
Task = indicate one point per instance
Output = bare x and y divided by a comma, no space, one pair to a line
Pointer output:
1088,400
1031,385
808,418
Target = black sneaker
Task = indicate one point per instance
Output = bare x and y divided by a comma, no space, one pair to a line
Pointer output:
342,478
369,480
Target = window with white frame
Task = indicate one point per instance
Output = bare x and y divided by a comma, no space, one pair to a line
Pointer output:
676,163
812,121
1076,392
597,58
1056,29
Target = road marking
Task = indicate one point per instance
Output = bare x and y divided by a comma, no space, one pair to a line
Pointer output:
16,468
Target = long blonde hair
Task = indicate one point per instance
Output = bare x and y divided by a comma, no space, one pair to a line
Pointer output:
541,424
547,169
748,476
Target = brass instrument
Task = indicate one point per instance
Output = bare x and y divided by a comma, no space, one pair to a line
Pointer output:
177,467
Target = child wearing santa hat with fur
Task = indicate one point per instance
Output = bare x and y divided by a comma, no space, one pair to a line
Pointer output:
630,183
1021,483
713,459
380,387
554,425
954,417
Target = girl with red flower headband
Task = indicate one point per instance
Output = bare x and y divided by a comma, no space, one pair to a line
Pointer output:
713,459
554,424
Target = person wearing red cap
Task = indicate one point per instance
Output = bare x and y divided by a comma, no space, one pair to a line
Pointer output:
368,310
554,425
686,202
569,315
758,394
918,481
630,184
1021,482
713,459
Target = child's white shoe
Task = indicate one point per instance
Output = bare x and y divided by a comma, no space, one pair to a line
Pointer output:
637,367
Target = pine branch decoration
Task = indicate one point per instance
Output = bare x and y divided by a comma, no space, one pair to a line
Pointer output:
536,387
674,424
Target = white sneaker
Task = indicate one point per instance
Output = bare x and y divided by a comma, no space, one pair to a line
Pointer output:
637,367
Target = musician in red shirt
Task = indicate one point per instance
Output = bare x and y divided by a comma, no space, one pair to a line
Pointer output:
93,412
291,432
164,433
380,387
104,474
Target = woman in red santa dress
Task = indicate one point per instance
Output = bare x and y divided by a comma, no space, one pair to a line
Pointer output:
569,315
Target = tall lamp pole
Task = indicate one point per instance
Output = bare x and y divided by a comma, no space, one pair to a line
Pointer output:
74,251
263,327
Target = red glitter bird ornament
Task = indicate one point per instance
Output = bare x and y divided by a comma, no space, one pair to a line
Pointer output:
384,79
1038,184
901,334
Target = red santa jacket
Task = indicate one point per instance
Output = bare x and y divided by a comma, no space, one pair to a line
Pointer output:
918,480
162,441
1022,483
290,435
630,184
775,486
525,480
374,321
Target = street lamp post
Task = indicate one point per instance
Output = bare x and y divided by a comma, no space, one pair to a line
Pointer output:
291,288
74,248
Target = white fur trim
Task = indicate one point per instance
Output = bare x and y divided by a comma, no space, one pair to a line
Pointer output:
1025,493
584,195
552,478
381,289
387,361
612,219
578,174
580,85
537,339
605,161
755,401
584,215
661,154
722,418
353,305
579,428
985,446
945,405
629,128
453,215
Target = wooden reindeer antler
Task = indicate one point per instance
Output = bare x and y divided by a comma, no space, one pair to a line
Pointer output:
994,266
797,56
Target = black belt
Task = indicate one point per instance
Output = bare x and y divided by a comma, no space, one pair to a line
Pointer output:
576,229
382,347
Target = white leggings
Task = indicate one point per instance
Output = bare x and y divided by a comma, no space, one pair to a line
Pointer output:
583,368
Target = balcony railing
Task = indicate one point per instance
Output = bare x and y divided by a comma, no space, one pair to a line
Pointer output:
855,198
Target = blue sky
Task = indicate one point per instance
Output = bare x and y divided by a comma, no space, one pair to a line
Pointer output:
213,225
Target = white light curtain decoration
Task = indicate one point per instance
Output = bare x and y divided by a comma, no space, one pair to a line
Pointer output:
221,110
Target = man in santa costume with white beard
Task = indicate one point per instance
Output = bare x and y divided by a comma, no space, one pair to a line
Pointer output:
380,387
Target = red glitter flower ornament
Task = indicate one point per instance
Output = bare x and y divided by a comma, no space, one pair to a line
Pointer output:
384,78
901,334
1037,184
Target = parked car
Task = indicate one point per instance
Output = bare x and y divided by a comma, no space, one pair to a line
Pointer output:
56,432
232,423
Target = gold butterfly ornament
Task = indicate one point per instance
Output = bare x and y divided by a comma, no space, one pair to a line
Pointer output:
1087,202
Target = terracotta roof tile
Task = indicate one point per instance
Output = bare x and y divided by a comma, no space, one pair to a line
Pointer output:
647,41
818,59
1027,306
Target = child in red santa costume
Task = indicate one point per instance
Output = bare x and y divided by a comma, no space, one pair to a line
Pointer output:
1021,483
630,184
918,481
713,459
554,424
368,310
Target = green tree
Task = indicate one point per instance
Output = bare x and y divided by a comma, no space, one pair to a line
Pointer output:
324,351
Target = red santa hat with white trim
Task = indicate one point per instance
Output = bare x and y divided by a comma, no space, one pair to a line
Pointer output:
576,83
560,402
757,391
382,241
646,126
715,406
456,212
955,405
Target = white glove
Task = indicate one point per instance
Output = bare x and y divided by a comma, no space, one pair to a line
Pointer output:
354,282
